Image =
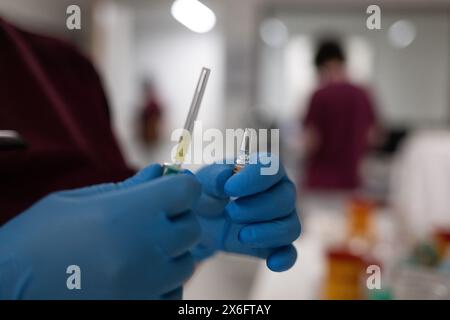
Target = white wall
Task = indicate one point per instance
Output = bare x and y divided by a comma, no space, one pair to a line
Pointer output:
40,15
49,17
410,84
413,83
114,50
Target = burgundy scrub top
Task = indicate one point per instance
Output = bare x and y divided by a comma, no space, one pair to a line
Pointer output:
342,114
51,94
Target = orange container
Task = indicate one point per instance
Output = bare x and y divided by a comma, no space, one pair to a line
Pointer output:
343,277
360,219
442,239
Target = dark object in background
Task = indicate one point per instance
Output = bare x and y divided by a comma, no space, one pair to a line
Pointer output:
11,140
150,116
151,119
392,140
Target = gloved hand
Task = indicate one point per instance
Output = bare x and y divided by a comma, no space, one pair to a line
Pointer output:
131,240
262,221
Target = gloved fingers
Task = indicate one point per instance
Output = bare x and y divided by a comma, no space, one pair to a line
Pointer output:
271,234
282,258
277,259
252,179
179,270
176,294
213,179
179,234
87,191
208,206
277,202
148,173
172,194
151,172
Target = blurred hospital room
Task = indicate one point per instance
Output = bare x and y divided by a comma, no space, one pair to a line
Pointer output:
359,93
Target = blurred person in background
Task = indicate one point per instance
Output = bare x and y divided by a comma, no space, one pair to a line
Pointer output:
338,126
150,115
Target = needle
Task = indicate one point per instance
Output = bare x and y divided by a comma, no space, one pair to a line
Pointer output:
184,142
185,138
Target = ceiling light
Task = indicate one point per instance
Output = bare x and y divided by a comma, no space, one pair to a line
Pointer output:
402,33
194,15
274,32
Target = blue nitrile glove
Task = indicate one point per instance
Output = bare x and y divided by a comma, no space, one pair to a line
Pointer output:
261,222
131,240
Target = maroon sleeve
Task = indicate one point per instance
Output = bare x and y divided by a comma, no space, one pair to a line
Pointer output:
52,96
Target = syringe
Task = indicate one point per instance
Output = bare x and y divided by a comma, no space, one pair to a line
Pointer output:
185,138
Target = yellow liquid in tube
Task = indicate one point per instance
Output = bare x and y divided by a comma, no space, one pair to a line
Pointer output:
182,149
